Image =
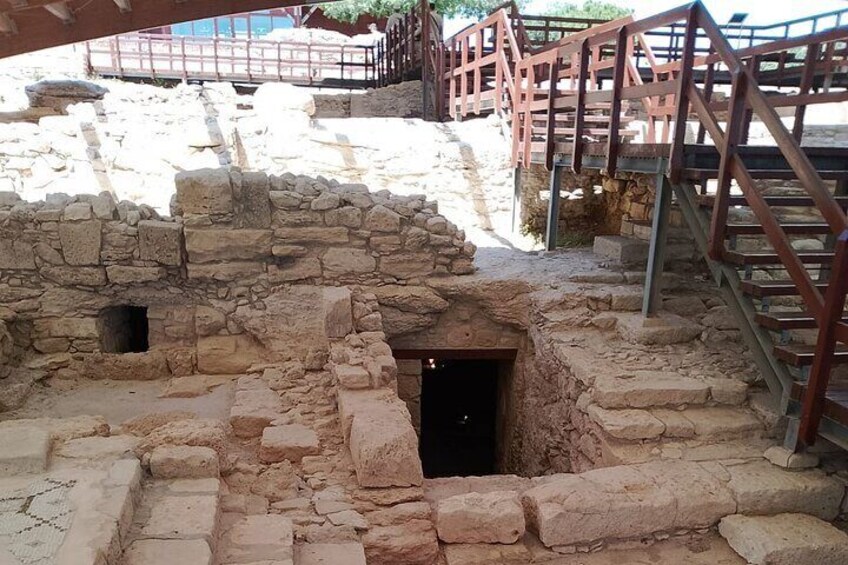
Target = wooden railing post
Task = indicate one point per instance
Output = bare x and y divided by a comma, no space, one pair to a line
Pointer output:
550,145
678,140
613,140
806,84
580,110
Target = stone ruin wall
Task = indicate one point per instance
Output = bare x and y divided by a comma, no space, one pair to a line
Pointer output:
234,278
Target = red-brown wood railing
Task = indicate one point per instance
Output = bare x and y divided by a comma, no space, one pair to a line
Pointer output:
572,90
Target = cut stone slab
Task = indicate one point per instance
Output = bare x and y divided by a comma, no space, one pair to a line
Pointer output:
762,488
722,421
331,554
626,424
649,388
493,517
782,457
665,329
258,538
155,552
625,250
23,449
292,442
624,502
182,517
785,539
183,462
384,448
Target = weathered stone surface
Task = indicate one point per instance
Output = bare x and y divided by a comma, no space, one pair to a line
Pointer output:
80,242
204,191
292,442
253,411
493,517
626,502
85,276
354,402
381,219
782,457
351,553
296,270
254,209
227,354
722,421
338,315
183,462
412,543
205,246
23,449
160,241
348,261
665,329
225,271
415,299
146,366
762,488
384,448
155,551
16,254
121,274
258,539
407,265
648,388
627,423
197,432
182,517
785,539
313,235
97,448
352,376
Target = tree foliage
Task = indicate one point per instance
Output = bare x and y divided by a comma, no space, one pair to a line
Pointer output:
594,9
349,10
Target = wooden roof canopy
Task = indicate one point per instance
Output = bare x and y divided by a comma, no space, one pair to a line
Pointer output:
30,25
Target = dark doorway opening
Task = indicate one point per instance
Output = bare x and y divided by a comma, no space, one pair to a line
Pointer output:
123,329
459,410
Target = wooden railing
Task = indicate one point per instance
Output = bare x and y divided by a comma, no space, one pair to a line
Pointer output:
560,86
159,56
479,64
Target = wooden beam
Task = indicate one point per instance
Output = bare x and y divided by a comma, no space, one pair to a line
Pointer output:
7,25
125,6
61,11
100,19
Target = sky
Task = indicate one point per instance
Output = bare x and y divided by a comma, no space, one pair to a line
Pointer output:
759,11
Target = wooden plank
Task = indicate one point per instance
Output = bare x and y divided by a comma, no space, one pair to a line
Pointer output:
675,161
621,47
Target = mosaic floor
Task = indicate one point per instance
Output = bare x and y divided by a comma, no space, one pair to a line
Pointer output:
34,520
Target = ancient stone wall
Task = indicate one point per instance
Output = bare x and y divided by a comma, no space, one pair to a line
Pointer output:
404,100
237,276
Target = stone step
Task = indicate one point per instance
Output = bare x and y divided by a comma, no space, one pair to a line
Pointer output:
701,423
785,539
176,517
633,501
643,389
259,538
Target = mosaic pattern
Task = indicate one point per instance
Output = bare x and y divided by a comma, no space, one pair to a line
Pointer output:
35,520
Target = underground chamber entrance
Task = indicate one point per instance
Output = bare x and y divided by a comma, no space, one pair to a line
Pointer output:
459,417
123,329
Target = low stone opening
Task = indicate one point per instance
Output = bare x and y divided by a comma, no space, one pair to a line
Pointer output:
123,329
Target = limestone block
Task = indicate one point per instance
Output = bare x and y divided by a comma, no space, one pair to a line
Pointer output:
285,199
350,553
16,254
412,543
414,299
196,432
352,376
161,242
614,502
626,424
325,201
782,457
643,389
327,236
338,261
205,246
256,539
208,321
160,552
296,270
227,354
23,449
664,329
338,313
407,265
785,539
182,517
204,191
59,94
97,448
292,442
121,274
383,370
83,276
254,204
253,411
183,462
80,242
384,449
381,219
762,488
230,271
354,402
347,216
80,328
493,517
